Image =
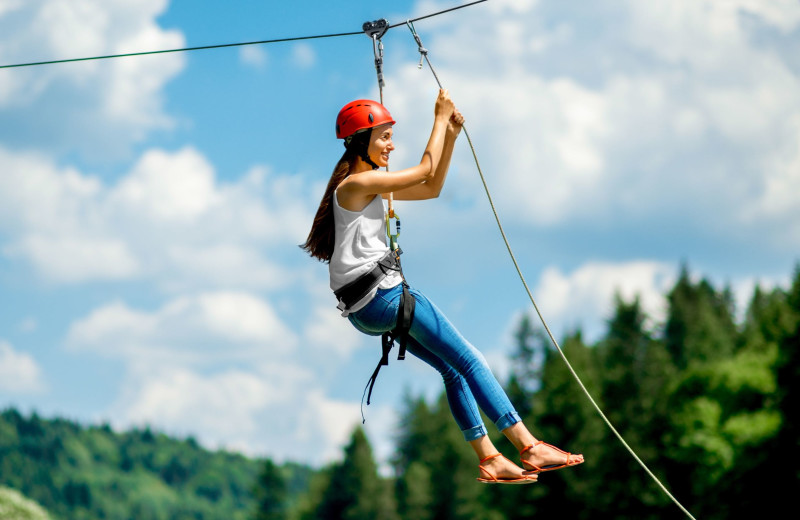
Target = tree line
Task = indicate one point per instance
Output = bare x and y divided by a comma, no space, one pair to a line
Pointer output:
708,400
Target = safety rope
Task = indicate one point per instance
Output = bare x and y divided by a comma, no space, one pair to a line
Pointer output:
424,56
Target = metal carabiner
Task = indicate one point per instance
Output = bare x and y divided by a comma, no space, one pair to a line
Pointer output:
375,30
392,237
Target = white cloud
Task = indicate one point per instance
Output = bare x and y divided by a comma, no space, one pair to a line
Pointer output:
167,220
19,372
334,417
303,56
585,296
197,330
662,112
329,332
112,103
254,56
167,187
77,259
222,407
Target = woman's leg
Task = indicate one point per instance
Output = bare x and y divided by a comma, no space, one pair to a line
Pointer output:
466,414
434,331
459,363
459,397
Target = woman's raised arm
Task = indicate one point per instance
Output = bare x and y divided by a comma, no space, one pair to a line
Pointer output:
357,189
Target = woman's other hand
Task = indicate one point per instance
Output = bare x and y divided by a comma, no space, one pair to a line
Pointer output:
455,123
444,107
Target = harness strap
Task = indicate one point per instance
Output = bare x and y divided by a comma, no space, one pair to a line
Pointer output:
405,316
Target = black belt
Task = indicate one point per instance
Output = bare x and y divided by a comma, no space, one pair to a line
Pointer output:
353,292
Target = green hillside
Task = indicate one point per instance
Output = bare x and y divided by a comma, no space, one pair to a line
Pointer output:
14,506
79,472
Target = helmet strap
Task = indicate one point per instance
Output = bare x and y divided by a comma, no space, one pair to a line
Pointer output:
359,144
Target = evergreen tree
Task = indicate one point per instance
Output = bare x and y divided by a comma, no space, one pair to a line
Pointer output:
563,416
700,325
726,421
429,442
783,454
355,491
526,365
416,489
271,493
636,372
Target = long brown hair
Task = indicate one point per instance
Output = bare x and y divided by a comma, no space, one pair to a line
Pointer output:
319,243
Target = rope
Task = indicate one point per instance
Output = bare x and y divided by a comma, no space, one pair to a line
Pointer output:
424,55
225,45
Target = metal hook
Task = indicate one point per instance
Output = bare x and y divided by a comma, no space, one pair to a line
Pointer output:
375,30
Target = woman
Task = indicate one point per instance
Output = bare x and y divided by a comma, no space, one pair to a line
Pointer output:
348,234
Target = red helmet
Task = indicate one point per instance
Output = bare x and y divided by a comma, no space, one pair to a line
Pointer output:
360,115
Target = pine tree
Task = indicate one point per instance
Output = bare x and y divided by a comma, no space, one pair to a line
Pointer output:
563,416
700,325
636,372
429,442
355,491
271,493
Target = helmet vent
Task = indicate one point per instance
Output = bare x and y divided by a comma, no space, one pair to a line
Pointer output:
371,118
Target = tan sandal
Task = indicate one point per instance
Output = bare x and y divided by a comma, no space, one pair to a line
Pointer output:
492,479
534,469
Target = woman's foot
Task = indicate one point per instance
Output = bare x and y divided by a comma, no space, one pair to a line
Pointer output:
540,456
498,469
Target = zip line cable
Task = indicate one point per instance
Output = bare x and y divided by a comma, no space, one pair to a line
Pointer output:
226,45
185,49
424,55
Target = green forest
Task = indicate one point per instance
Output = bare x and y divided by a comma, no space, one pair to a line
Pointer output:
708,400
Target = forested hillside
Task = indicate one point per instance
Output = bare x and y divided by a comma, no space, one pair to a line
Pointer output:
78,472
709,401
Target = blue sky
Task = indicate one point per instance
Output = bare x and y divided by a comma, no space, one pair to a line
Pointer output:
151,207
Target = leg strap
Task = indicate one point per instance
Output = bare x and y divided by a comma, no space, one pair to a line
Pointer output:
405,316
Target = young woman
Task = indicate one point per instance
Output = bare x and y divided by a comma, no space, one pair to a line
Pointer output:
348,234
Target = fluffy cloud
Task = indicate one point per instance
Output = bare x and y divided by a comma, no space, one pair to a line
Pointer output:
303,56
675,113
225,367
202,329
19,372
112,103
221,407
254,56
586,295
167,220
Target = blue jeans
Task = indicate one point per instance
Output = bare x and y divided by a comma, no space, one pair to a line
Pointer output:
468,380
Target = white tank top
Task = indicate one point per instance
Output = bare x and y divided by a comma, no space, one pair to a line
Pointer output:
358,245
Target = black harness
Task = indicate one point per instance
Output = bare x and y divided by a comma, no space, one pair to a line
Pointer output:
354,291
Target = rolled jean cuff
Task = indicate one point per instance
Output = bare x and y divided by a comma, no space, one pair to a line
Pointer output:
507,420
476,432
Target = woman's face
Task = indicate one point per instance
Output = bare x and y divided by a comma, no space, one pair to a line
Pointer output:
380,145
